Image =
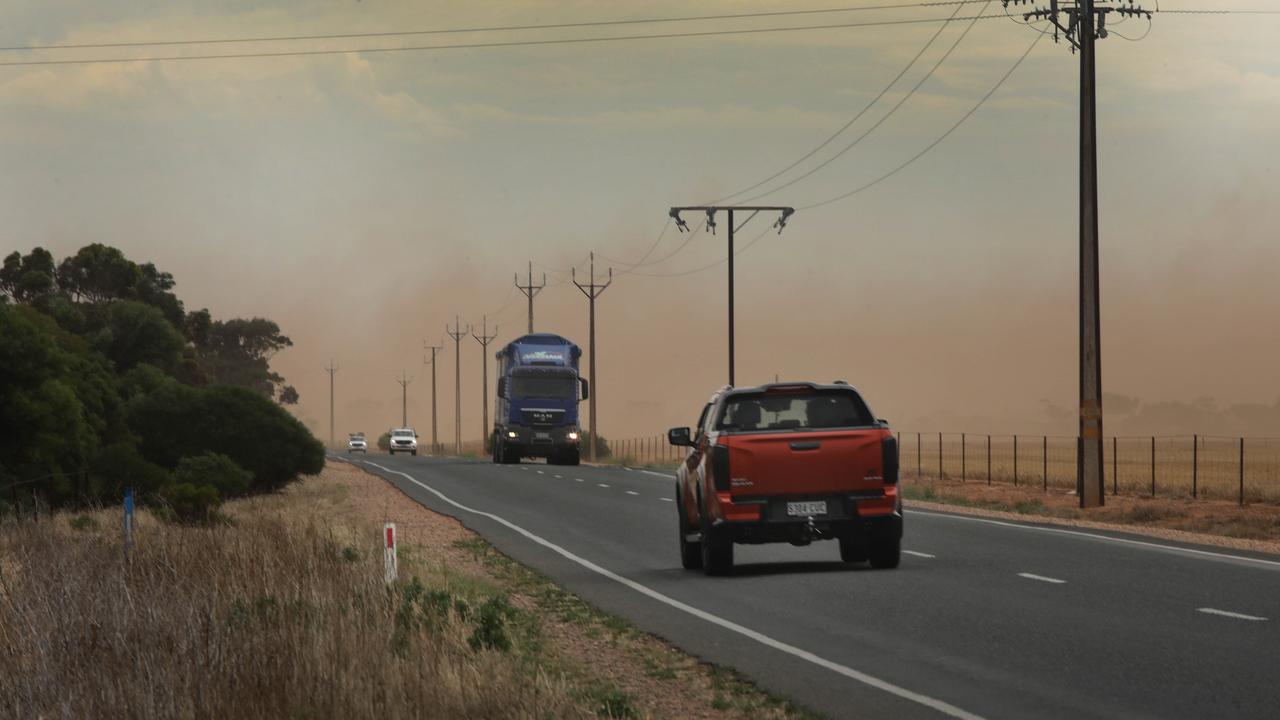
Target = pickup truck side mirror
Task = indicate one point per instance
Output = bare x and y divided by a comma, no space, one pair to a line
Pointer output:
502,387
883,422
679,437
585,388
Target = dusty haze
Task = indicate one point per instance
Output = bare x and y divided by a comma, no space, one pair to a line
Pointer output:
363,200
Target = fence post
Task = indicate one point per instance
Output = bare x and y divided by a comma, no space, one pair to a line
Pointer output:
988,459
1044,455
941,475
1241,472
919,472
1115,467
962,458
1195,465
1153,466
1015,461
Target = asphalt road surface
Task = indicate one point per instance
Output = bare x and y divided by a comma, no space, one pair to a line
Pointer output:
983,619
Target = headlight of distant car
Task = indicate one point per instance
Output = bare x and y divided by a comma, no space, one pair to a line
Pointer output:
573,434
512,433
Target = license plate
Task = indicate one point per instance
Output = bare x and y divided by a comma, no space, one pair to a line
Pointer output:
542,436
805,509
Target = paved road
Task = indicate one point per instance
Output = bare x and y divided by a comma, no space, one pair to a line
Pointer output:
983,618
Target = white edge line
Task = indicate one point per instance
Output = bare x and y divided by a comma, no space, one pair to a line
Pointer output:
1095,536
1042,578
665,476
1228,613
918,554
872,681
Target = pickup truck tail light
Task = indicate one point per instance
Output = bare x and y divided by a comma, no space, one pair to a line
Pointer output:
720,467
889,460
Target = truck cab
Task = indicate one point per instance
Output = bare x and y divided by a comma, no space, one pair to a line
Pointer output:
536,409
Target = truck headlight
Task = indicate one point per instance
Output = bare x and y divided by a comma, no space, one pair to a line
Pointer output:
573,435
511,433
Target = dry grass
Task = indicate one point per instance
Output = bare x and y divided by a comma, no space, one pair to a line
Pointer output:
1218,522
283,613
278,615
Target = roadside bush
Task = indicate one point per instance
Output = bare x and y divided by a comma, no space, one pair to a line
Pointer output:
119,465
215,470
189,503
175,421
384,441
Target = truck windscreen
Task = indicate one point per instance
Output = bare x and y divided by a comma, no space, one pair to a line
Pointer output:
790,411
559,388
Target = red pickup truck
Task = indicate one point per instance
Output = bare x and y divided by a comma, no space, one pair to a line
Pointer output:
788,462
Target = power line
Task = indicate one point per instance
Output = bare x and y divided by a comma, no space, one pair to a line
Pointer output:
853,120
902,101
708,266
493,28
502,44
999,83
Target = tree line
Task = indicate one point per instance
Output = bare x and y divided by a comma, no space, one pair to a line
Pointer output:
106,380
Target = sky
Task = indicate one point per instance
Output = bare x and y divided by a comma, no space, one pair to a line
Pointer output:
363,200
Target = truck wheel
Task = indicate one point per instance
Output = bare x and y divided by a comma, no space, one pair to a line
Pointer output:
573,457
690,551
413,453
853,550
886,552
717,550
391,452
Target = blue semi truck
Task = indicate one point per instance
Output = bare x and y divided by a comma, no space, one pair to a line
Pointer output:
539,390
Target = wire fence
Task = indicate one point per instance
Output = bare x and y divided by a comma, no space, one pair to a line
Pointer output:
1194,466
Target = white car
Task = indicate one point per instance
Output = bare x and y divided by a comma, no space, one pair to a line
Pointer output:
403,440
357,443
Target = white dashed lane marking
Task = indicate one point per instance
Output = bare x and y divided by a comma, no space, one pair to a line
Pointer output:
602,485
632,492
666,500
1042,578
1229,614
559,476
578,479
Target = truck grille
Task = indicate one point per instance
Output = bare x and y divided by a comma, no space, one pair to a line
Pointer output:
542,417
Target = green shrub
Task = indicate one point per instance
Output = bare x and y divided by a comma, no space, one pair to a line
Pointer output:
189,503
83,523
215,470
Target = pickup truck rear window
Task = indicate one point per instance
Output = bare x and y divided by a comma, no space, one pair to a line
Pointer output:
794,411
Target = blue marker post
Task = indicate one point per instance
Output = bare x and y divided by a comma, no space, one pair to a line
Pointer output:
128,518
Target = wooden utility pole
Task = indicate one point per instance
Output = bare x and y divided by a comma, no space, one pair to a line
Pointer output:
530,290
457,333
1082,23
331,369
592,291
484,338
435,438
711,210
403,381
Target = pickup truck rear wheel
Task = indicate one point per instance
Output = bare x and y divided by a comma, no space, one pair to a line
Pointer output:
717,550
853,550
886,552
690,550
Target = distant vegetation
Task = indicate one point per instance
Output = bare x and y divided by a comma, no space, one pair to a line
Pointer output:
107,381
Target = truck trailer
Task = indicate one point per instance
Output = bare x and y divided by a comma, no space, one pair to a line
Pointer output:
539,388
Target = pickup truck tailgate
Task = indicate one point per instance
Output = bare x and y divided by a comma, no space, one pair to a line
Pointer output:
804,463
